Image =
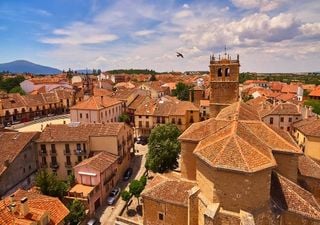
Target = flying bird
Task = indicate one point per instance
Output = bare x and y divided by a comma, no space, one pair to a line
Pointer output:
179,55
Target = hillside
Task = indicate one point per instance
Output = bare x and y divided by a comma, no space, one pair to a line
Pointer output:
23,66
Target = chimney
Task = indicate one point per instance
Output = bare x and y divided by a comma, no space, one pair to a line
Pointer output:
24,206
13,207
12,198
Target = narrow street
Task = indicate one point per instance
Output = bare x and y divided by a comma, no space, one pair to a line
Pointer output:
108,214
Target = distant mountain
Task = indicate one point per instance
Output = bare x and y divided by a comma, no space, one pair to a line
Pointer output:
84,71
23,66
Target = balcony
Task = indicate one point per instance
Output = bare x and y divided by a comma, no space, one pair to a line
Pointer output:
53,153
80,152
43,153
43,165
68,164
54,165
65,152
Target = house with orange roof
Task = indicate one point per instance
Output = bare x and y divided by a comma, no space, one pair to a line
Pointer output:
61,147
97,109
30,208
47,82
315,93
95,178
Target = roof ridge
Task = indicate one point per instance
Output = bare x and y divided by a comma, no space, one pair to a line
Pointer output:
242,155
223,148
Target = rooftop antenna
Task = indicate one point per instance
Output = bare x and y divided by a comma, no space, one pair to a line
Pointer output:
225,51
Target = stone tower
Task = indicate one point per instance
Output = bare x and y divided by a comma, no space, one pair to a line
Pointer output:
224,82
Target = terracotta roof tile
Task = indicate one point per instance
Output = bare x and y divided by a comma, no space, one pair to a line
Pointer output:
309,127
240,111
96,103
175,191
38,205
308,167
11,144
79,132
315,92
99,162
284,109
290,197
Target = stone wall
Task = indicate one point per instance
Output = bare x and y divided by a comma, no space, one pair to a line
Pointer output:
287,165
188,160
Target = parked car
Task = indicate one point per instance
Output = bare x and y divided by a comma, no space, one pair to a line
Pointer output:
93,221
113,196
127,174
142,140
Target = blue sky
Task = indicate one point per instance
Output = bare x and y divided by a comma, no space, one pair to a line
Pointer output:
269,35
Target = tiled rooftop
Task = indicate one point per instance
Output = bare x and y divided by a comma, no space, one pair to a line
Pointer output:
99,162
308,167
38,205
309,127
11,144
171,190
78,132
290,197
96,103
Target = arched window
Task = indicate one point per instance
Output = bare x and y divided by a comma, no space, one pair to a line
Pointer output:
219,72
227,72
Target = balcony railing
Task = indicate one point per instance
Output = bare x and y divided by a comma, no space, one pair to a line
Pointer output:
65,152
43,153
80,152
54,165
68,164
53,153
44,165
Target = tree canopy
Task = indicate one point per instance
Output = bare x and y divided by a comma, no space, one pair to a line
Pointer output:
50,185
17,89
315,104
164,148
77,212
10,83
124,117
182,91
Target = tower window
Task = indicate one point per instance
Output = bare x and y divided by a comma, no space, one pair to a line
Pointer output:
160,216
219,72
227,72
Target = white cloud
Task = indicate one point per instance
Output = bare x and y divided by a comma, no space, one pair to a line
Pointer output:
262,5
311,29
144,32
185,6
183,14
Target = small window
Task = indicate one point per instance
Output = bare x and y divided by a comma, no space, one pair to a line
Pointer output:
139,116
147,117
290,119
227,72
160,216
87,115
271,120
281,128
288,128
80,115
219,72
281,119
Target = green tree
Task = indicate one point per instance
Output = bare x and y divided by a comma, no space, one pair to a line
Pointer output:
182,91
315,104
124,117
125,195
135,188
17,89
77,212
11,82
143,180
50,185
164,148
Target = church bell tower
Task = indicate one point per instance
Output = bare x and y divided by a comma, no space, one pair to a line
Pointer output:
224,82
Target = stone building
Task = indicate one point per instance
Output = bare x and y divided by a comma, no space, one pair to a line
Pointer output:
18,160
61,147
245,173
224,82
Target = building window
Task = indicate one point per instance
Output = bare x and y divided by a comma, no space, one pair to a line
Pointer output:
281,119
53,148
140,123
173,120
87,115
160,216
147,124
101,115
79,159
191,119
78,146
290,119
30,167
68,160
140,117
219,72
227,72
54,160
69,172
147,117
179,121
24,170
158,119
281,128
84,147
271,120
43,148
67,148
288,128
